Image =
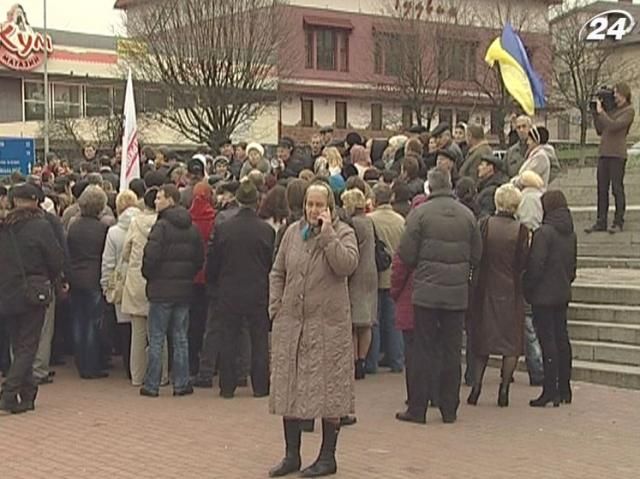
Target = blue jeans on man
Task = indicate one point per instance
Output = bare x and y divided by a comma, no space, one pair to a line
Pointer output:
172,319
87,310
386,336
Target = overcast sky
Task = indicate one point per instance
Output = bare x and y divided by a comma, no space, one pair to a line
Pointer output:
88,16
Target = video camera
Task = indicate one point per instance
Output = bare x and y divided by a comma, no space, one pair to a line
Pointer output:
606,96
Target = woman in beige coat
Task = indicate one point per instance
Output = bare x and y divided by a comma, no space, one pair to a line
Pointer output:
312,371
134,296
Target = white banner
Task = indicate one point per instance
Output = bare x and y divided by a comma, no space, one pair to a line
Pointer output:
130,164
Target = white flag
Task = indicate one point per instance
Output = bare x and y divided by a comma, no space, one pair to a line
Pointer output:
130,164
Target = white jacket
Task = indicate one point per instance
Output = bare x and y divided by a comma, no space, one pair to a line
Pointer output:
537,161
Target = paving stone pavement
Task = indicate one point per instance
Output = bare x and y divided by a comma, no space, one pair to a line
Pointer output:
103,429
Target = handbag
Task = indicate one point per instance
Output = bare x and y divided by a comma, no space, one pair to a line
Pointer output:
383,257
37,290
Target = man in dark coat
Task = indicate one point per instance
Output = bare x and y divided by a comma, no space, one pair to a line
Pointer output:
172,257
442,244
30,253
238,266
442,134
490,178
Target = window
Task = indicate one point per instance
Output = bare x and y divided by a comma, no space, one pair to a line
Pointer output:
308,46
407,117
445,115
378,54
341,114
97,101
376,116
457,60
154,100
327,49
390,50
118,100
564,127
66,101
33,101
307,112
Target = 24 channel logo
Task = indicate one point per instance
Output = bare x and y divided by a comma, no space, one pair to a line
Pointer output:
612,24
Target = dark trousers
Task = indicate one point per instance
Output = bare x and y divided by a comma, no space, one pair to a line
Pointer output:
88,310
550,323
5,358
197,322
232,325
24,331
408,338
611,173
436,331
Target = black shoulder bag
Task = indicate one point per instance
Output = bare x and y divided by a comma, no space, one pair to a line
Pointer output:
383,257
37,289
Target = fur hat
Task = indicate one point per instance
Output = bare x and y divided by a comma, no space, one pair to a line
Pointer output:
255,146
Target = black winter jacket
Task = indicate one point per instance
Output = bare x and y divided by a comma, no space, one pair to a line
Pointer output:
442,243
86,239
552,261
238,263
172,257
39,252
486,192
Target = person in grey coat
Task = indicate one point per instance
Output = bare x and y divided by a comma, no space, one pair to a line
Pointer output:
442,243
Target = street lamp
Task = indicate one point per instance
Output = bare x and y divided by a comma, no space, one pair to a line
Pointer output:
46,85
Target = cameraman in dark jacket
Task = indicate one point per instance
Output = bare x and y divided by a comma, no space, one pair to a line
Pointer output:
547,287
29,253
613,128
172,257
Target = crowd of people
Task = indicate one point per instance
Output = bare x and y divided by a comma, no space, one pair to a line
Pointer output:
303,272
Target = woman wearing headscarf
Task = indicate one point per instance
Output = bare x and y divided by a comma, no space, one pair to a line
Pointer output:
113,269
312,354
538,159
497,314
203,216
363,283
134,296
550,271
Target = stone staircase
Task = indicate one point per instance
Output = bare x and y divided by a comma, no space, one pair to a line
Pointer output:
604,317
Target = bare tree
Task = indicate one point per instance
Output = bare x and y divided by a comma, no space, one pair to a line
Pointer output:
581,67
216,61
104,132
419,51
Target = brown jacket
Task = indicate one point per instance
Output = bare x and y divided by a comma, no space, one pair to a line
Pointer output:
311,349
613,128
497,313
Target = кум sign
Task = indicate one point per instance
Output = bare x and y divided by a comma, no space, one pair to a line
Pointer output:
610,25
21,48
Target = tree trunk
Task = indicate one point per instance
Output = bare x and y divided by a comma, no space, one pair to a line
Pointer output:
584,122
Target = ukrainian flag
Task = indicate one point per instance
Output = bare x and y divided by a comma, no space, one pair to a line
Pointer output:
519,77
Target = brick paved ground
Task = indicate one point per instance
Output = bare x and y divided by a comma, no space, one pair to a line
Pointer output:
103,429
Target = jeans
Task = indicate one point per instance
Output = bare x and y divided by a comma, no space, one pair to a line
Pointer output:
87,309
173,319
611,172
533,352
386,336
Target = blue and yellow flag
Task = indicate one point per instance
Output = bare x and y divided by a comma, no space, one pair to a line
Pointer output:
519,77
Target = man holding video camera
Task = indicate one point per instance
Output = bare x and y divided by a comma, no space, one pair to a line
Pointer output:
612,120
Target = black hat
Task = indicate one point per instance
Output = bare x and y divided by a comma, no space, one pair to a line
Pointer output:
228,187
154,178
326,129
447,153
78,188
195,167
353,138
26,191
247,193
286,142
418,129
440,129
492,160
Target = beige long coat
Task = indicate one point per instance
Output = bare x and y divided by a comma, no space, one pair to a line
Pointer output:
312,370
134,296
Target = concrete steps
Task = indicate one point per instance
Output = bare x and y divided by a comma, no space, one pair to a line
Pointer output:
608,262
628,334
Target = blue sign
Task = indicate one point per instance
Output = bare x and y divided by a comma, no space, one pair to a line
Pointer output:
17,154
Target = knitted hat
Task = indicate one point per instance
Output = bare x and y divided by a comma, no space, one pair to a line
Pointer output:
247,193
255,146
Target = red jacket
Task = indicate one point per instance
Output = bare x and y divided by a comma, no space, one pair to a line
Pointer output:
203,216
401,292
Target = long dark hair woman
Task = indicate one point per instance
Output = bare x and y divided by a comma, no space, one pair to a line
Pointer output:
550,271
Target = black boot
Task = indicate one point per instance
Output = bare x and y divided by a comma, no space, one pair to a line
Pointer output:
550,388
474,395
9,404
503,395
28,401
291,462
325,465
360,369
307,425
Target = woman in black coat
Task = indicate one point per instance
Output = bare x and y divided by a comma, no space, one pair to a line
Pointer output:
550,271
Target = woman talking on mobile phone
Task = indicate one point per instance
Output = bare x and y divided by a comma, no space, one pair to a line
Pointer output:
312,369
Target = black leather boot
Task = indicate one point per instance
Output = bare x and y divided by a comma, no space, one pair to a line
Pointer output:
503,395
28,401
325,465
474,395
9,404
292,437
360,366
